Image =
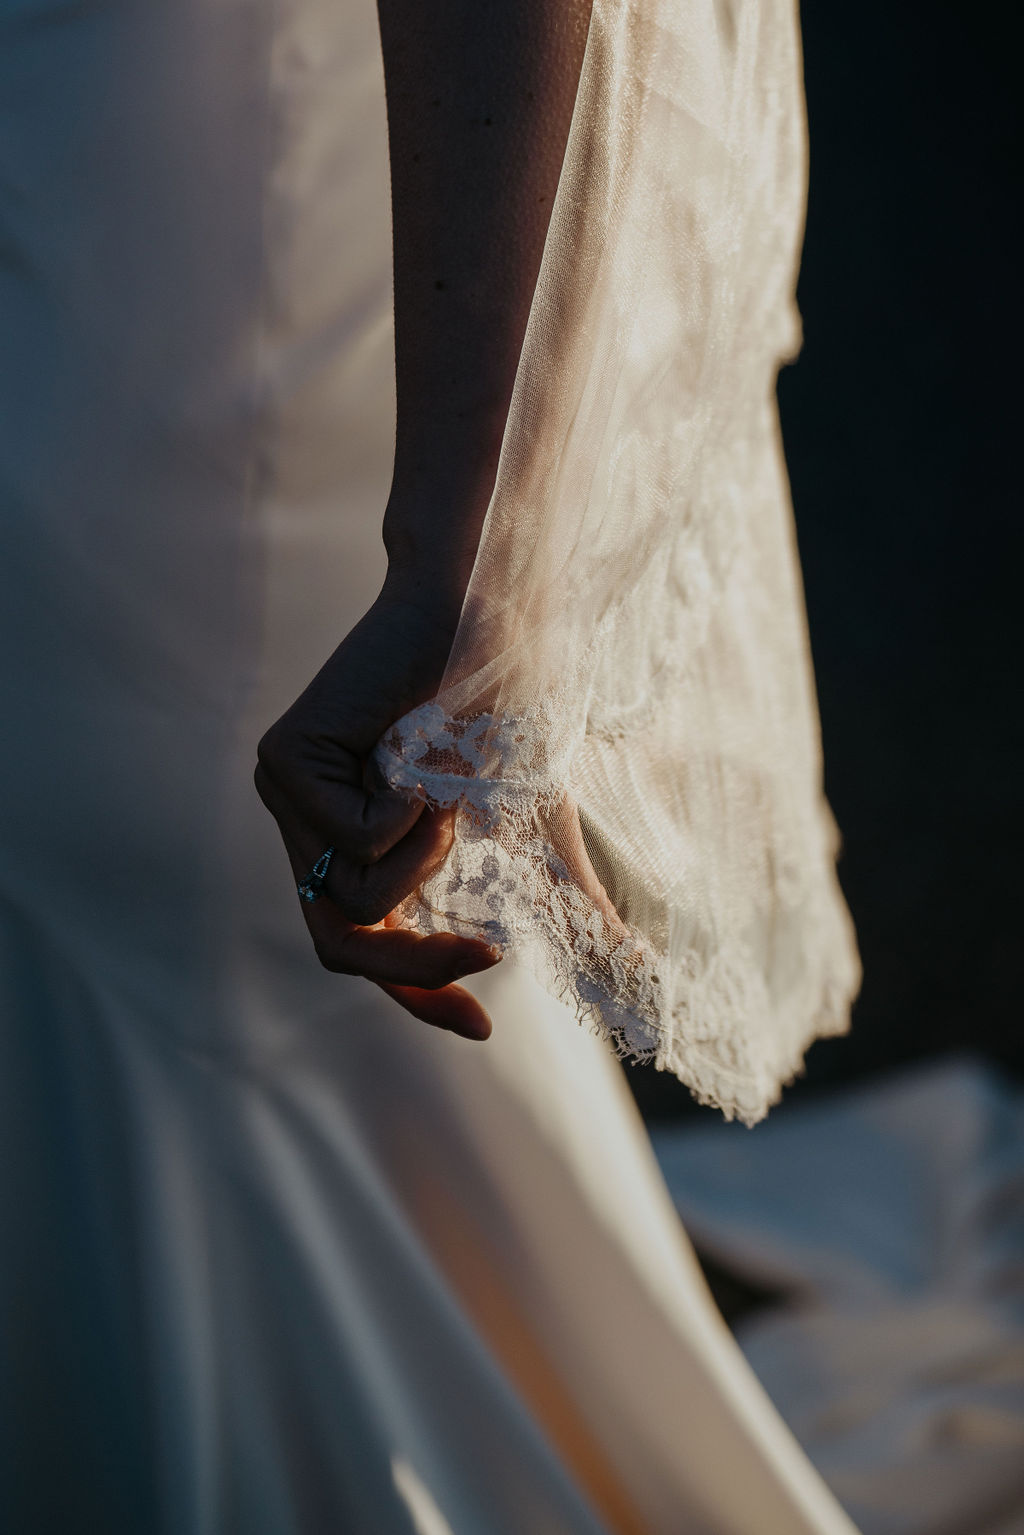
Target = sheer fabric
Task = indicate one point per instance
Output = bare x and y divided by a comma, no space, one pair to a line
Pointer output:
627,720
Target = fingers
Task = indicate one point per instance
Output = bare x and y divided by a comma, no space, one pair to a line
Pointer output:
417,972
384,848
327,780
452,1008
393,956
364,891
387,955
314,778
567,837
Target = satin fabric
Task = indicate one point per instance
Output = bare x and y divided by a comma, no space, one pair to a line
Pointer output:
276,1257
888,1222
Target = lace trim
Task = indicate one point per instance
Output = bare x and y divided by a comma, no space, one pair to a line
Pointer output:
708,1019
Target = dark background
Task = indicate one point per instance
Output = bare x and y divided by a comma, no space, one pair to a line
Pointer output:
902,427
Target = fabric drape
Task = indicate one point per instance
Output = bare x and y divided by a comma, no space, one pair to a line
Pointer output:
275,1258
627,720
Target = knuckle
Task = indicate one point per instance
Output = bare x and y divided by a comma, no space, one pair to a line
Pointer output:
364,845
268,753
329,957
265,786
276,751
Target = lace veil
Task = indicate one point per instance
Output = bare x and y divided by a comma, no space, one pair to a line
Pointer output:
627,722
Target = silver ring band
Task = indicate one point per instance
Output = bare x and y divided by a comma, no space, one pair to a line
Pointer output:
312,886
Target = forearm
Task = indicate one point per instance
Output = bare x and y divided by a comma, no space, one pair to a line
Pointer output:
480,96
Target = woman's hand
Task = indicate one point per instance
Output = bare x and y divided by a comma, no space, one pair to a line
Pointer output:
314,778
480,96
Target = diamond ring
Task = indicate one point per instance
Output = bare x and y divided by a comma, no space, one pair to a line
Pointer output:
312,886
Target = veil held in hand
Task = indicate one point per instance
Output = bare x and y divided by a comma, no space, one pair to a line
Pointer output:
627,721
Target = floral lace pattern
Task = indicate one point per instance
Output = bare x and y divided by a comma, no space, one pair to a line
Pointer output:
505,881
627,725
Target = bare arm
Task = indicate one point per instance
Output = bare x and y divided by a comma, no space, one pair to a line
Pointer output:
480,96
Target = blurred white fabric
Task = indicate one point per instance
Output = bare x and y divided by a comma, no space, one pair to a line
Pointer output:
275,1258
891,1218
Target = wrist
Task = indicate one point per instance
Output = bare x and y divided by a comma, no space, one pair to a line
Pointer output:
431,532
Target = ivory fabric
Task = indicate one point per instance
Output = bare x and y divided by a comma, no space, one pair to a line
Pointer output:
889,1222
275,1257
627,719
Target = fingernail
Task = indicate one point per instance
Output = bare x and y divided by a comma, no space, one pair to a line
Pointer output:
482,961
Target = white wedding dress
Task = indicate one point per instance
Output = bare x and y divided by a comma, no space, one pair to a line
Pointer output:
276,1259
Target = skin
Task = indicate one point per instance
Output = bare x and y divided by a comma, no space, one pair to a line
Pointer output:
480,96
